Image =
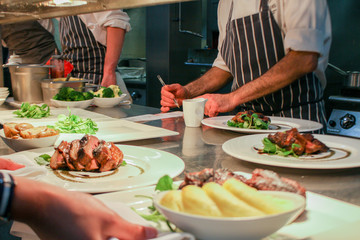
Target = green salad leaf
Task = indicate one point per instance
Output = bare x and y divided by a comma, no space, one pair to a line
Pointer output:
28,110
165,183
74,124
272,148
252,122
43,159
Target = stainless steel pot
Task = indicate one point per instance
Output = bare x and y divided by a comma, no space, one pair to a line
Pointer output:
25,81
352,78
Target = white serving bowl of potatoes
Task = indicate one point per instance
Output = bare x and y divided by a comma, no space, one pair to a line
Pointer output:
216,227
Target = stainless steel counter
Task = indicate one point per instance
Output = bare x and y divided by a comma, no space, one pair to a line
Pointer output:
202,148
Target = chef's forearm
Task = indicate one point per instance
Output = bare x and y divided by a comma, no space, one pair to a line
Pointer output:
114,43
211,81
293,66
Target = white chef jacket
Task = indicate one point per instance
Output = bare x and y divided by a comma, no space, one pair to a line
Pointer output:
305,26
99,21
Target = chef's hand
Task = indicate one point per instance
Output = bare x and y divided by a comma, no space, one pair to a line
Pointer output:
54,213
171,92
217,103
109,78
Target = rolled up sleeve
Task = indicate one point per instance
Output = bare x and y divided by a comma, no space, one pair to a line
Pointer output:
306,25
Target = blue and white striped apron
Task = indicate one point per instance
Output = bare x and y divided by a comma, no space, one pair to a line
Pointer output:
252,45
81,49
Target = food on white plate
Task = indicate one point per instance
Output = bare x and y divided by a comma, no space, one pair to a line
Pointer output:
27,131
7,164
108,92
250,119
87,154
291,142
261,180
212,199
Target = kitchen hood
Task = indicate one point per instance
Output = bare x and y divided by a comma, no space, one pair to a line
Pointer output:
12,11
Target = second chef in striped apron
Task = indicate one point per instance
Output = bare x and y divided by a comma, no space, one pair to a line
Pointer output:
93,43
274,51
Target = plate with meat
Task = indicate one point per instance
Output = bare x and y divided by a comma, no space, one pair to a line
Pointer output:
93,165
296,150
250,122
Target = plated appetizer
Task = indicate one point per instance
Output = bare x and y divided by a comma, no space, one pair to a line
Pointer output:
293,143
249,119
87,154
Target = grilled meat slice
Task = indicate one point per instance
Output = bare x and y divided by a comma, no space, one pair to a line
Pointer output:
239,117
306,143
108,156
73,154
57,160
87,144
268,180
207,175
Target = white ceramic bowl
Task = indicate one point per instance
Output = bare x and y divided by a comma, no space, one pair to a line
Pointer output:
108,102
2,100
247,228
26,144
71,104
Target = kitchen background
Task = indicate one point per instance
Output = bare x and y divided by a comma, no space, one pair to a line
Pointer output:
178,42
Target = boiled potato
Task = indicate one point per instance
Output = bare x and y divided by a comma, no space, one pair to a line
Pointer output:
173,200
196,201
253,197
229,205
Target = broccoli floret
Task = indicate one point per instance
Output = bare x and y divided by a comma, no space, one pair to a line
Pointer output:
64,94
88,95
108,93
76,96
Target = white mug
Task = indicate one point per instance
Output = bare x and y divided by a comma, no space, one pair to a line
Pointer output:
193,111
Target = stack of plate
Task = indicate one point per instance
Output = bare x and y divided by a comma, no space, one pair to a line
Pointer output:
4,93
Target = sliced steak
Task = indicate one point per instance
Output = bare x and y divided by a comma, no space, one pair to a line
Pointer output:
57,160
108,156
87,145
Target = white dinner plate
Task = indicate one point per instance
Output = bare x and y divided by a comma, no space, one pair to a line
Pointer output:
277,124
344,153
144,167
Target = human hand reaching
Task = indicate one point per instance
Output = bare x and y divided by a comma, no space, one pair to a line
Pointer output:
218,103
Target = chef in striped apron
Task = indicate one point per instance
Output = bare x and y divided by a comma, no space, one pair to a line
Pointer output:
274,51
93,43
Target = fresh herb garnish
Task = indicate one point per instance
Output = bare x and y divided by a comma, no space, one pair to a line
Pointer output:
165,183
74,124
28,110
43,159
272,148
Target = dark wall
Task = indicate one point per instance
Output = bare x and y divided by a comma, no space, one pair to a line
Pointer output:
345,47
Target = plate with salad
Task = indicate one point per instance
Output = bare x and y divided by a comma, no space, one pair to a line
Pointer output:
341,152
250,122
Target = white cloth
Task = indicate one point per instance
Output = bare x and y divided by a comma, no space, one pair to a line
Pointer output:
99,21
32,170
26,233
305,25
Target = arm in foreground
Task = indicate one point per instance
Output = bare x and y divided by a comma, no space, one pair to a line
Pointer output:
55,213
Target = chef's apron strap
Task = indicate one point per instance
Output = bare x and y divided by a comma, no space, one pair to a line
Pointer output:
264,6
